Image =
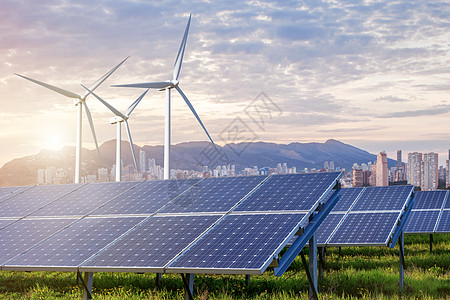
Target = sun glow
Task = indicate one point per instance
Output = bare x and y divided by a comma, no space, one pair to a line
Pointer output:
53,142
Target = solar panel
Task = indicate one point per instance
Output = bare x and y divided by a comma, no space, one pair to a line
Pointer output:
290,192
152,245
34,198
447,203
146,198
70,247
23,234
327,227
422,221
429,199
6,222
239,243
6,192
214,195
383,198
85,199
444,222
348,196
365,229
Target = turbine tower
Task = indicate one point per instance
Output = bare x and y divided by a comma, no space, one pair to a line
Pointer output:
167,86
118,120
79,101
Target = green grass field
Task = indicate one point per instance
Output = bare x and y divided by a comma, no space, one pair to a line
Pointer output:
357,272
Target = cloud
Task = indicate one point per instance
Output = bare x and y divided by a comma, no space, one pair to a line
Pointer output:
436,110
390,98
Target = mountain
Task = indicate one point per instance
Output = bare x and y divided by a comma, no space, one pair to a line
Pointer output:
191,156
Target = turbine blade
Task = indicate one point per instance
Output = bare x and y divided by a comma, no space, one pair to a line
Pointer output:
147,85
91,124
135,103
195,114
111,108
179,60
53,88
103,78
131,145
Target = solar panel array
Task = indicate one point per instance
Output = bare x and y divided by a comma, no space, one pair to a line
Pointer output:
214,225
431,213
365,216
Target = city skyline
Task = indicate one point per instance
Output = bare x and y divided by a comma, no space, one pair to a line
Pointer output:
372,75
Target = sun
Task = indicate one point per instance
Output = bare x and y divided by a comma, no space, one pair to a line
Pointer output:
53,142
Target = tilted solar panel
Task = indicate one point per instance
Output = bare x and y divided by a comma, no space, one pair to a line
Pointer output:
429,199
6,192
383,198
152,245
146,198
444,222
348,197
365,229
23,234
239,244
70,247
290,192
85,199
422,221
6,222
34,198
214,195
327,227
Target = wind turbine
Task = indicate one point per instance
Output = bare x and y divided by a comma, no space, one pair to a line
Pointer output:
119,119
79,101
167,86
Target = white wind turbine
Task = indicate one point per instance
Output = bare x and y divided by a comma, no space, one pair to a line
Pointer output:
167,86
79,101
119,119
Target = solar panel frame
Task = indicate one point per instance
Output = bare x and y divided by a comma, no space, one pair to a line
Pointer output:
428,200
363,201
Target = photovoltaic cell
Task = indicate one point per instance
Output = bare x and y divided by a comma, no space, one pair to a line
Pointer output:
214,195
75,244
23,234
348,196
365,228
34,198
6,222
447,203
444,222
244,242
289,192
6,192
153,243
429,199
85,199
327,227
422,221
146,198
383,198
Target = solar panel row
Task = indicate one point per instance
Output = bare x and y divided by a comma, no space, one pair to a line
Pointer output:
158,226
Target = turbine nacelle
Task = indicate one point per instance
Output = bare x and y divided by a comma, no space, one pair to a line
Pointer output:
117,119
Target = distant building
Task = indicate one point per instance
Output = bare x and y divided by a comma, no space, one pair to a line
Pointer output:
414,167
143,161
429,173
373,175
361,178
382,175
326,166
332,166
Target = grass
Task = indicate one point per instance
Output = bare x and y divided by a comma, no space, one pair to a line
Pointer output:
353,273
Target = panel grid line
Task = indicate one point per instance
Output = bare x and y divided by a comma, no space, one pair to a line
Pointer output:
442,211
13,194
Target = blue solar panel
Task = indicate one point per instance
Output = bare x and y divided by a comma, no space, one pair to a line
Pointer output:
23,234
422,221
6,192
447,203
240,242
6,222
429,199
365,229
383,198
146,198
70,247
153,244
85,199
289,192
327,227
348,196
444,222
34,198
214,195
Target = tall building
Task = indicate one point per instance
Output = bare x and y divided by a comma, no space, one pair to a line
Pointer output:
399,158
373,175
414,169
142,161
332,166
447,165
360,178
429,172
326,166
382,177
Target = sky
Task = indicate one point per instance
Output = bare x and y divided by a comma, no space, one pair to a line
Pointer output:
373,74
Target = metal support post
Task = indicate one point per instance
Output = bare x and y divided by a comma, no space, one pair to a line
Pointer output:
87,283
402,260
188,281
247,280
431,242
308,274
321,261
313,267
158,280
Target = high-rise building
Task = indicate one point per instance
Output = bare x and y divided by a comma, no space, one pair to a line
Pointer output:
399,158
143,161
429,173
382,177
360,178
326,166
373,175
285,168
414,168
331,166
